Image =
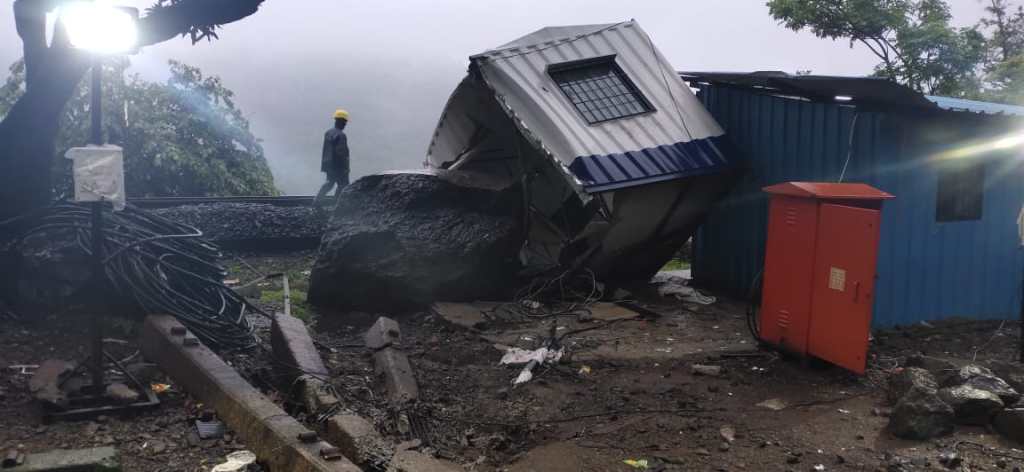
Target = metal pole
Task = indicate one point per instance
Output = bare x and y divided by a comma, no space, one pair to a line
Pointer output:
96,364
96,107
96,135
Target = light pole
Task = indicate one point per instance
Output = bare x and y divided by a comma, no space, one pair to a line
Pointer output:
101,30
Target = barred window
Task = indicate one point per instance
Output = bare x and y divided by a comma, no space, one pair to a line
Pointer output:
599,89
961,191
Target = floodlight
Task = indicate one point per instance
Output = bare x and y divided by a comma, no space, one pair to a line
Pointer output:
100,28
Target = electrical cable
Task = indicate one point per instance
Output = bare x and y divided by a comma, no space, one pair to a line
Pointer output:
164,266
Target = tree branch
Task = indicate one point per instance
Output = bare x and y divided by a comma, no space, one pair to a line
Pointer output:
196,17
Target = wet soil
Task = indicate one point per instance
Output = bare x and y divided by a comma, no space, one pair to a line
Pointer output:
624,391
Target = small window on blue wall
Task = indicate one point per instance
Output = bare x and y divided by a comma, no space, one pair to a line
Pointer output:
961,192
599,89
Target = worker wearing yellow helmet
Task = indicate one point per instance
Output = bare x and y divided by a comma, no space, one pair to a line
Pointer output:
335,158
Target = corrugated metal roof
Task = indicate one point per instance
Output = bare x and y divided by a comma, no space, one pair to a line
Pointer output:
649,143
689,159
974,106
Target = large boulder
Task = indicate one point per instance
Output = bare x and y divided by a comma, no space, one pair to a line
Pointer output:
972,405
908,379
399,241
921,414
940,368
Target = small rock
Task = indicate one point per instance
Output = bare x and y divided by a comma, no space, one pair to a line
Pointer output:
713,388
792,459
1011,372
158,447
91,429
774,404
950,459
909,379
818,468
920,461
122,393
724,446
921,415
996,386
41,429
193,439
840,459
102,419
702,452
1001,463
882,412
708,370
728,433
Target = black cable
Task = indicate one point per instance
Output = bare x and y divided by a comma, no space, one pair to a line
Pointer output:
165,267
753,306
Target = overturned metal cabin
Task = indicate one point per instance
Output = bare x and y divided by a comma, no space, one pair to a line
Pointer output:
618,160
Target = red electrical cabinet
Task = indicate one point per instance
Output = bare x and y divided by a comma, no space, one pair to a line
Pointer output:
819,270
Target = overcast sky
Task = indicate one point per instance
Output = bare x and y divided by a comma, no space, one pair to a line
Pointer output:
393,64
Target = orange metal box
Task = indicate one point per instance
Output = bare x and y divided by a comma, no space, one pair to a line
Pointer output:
819,270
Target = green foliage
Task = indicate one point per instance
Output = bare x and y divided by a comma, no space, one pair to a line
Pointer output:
299,306
182,137
913,39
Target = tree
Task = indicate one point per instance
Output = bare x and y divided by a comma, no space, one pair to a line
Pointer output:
913,39
183,137
1004,65
52,72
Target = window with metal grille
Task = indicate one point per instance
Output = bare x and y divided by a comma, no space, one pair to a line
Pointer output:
961,192
599,89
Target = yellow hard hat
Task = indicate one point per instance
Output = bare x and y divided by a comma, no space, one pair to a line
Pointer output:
340,114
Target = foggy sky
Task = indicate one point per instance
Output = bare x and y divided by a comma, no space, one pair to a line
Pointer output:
393,64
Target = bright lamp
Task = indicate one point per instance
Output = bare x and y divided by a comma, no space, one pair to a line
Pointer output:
99,27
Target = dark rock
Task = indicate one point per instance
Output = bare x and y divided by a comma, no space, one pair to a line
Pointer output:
1011,372
920,414
965,373
1010,423
908,379
938,367
972,405
398,241
996,386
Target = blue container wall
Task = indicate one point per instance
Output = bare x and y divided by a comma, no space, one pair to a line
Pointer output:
927,270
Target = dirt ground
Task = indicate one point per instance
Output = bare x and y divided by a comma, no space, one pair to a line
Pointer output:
624,391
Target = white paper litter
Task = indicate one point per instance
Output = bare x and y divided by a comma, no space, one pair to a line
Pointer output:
670,286
515,356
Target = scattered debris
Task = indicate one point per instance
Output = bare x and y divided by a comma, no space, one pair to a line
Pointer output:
210,429
636,463
708,370
122,393
237,461
774,404
727,433
669,286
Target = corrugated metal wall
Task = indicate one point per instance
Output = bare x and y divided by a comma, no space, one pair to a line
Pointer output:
926,270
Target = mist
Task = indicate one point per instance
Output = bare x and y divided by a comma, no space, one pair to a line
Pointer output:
392,65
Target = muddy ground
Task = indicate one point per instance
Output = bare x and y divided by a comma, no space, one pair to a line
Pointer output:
625,391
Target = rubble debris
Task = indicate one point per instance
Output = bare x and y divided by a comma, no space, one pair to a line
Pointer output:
728,433
921,414
98,459
676,287
237,461
45,382
964,374
210,429
950,459
995,385
972,406
708,370
122,393
636,463
393,366
268,430
405,240
383,333
1010,423
908,379
467,315
359,441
